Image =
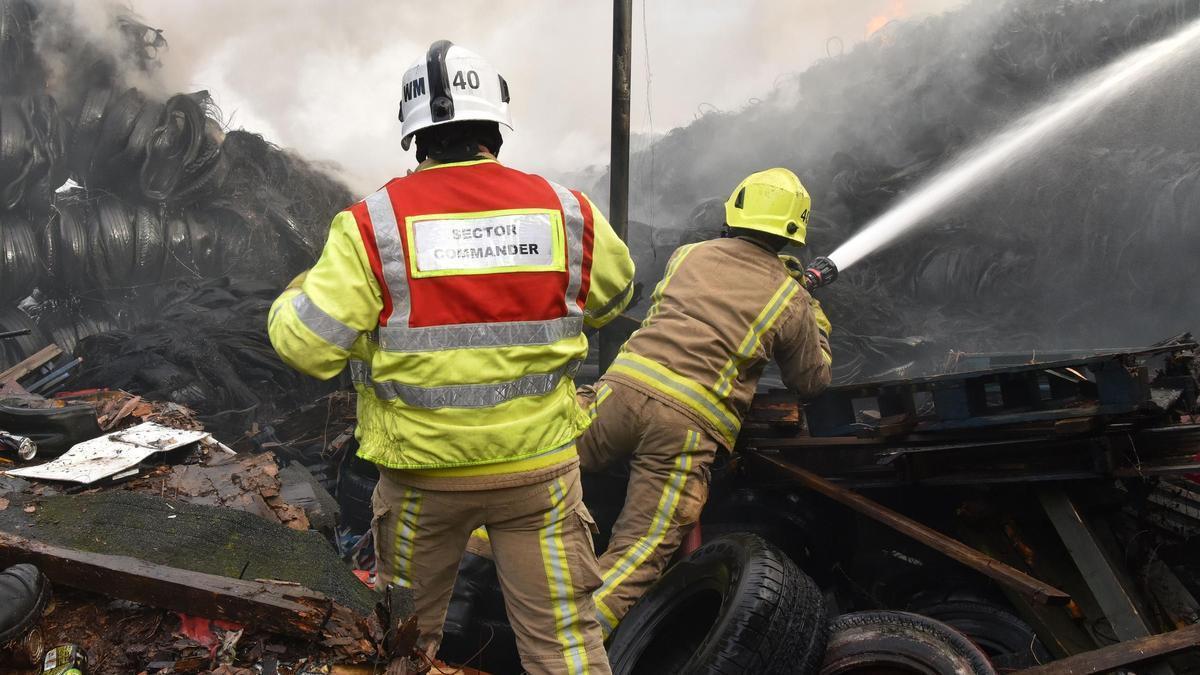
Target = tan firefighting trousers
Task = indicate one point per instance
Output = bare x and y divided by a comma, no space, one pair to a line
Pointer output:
542,543
668,485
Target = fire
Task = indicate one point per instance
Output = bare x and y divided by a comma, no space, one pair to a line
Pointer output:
897,9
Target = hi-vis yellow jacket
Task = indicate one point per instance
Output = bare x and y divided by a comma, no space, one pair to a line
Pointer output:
458,297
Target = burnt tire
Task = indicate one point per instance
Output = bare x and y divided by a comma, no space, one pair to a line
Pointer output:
885,641
735,605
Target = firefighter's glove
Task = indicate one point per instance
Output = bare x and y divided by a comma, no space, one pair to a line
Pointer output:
795,268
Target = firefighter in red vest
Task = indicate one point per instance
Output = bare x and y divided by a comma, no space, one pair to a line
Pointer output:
458,295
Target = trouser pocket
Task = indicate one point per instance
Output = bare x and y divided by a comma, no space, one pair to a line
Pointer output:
584,550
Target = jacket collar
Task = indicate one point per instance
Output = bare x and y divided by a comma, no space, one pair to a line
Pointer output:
484,157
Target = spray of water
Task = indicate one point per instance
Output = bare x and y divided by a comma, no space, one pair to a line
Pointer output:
1032,134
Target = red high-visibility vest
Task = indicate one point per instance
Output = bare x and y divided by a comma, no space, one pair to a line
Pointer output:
453,247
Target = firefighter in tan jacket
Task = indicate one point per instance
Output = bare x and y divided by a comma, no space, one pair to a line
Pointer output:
683,382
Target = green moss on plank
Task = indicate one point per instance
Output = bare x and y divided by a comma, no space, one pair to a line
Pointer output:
206,539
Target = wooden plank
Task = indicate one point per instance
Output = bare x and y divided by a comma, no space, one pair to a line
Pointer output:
41,358
1123,654
288,609
1010,577
1109,587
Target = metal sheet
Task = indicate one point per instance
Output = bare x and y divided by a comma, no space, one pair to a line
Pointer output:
111,454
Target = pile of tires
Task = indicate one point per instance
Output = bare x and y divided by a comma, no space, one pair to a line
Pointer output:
739,604
106,189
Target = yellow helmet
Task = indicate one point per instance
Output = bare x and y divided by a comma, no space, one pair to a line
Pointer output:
772,201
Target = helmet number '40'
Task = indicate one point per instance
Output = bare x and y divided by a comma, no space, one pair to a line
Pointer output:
471,80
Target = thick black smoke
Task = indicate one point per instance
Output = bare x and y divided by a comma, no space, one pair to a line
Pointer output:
1093,246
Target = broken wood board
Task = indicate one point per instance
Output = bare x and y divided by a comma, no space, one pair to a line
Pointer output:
986,565
177,534
40,358
1123,654
281,608
111,454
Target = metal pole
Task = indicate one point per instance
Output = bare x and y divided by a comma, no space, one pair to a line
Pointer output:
611,338
618,186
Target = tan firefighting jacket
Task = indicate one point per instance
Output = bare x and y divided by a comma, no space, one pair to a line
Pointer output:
723,309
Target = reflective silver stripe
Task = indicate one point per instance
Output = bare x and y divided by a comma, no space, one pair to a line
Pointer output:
391,253
473,335
614,303
463,395
359,372
574,225
326,327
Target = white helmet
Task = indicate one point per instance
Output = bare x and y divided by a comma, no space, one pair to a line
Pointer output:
451,84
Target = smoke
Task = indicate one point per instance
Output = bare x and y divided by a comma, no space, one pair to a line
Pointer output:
323,78
1090,245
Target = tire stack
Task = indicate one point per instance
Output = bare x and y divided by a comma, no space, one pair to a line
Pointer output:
159,191
739,604
32,145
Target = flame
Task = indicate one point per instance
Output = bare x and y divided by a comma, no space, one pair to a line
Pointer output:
897,9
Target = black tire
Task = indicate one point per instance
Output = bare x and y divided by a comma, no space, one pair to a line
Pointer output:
736,605
900,642
477,631
1008,642
781,518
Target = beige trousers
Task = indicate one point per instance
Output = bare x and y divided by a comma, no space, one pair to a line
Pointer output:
668,485
542,544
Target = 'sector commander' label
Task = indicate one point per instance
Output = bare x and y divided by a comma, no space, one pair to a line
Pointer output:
506,241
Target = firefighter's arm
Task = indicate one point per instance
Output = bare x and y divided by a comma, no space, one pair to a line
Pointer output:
802,348
316,321
611,286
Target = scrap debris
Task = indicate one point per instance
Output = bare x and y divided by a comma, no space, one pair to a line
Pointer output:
149,536
111,455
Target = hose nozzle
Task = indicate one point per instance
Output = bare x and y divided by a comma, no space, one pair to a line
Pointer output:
821,272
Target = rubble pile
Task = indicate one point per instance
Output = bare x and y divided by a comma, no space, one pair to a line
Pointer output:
1060,256
197,559
161,198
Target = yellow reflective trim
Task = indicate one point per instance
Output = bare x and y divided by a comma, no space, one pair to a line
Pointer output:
608,620
828,357
405,538
398,437
481,533
753,340
660,524
544,460
556,230
558,579
680,388
469,162
602,392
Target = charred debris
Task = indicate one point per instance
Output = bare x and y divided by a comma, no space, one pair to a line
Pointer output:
975,482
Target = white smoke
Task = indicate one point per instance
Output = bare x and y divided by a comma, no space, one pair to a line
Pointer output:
323,77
